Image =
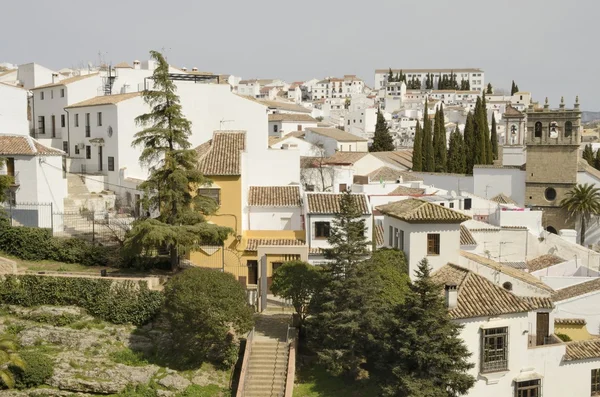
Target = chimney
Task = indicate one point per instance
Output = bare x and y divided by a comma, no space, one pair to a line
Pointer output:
194,69
451,295
136,65
54,77
184,69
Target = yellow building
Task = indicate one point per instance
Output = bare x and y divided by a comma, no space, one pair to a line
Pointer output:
220,160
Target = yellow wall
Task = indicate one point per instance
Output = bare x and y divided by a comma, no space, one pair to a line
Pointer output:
575,332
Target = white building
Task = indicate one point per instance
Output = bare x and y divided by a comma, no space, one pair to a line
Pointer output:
13,116
249,88
275,208
334,140
475,77
281,124
361,122
337,88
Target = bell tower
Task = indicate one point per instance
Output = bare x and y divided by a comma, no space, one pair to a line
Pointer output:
553,139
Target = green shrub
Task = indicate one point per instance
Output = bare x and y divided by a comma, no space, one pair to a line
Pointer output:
128,357
28,243
118,302
138,391
201,391
38,369
564,337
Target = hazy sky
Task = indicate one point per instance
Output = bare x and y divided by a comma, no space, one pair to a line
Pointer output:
549,47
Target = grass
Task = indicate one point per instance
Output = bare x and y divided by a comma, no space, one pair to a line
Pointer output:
314,381
52,266
128,357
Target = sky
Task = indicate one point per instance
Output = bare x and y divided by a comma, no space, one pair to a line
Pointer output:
549,47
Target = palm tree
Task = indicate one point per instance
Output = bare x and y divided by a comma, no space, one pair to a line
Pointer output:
583,201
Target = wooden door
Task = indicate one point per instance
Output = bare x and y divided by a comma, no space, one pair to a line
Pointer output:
252,272
53,126
542,328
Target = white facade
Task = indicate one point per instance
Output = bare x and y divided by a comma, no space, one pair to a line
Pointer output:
275,218
13,113
306,149
361,122
476,77
249,88
332,145
31,75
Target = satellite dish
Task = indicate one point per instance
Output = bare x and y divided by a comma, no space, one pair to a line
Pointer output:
452,193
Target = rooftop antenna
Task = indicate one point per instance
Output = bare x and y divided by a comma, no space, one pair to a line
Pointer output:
224,121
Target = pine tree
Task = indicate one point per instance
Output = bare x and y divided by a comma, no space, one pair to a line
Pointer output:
439,141
490,89
456,153
428,151
426,356
588,154
382,139
494,138
417,158
180,224
470,143
390,77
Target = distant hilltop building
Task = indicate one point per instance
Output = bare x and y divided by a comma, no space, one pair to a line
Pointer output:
474,76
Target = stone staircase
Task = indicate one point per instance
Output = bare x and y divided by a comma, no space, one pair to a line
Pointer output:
267,369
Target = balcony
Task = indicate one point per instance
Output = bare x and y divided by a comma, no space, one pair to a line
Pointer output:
46,133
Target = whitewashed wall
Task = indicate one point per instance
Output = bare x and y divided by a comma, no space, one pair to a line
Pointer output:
13,113
270,218
489,182
450,182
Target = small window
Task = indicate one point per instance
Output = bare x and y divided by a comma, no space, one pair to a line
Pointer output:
468,203
213,193
76,149
66,146
568,129
550,194
41,125
62,120
88,152
275,127
76,119
343,187
451,205
595,382
322,230
494,349
62,92
41,95
111,163
538,130
87,119
99,119
433,244
529,388
391,236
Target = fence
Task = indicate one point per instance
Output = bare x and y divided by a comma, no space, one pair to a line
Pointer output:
97,227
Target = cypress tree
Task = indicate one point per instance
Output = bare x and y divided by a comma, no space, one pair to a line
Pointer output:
516,88
390,76
428,152
417,157
469,143
439,141
382,139
494,138
456,153
490,89
512,89
588,154
479,143
489,155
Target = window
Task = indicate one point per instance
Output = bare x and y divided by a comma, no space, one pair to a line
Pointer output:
62,92
529,388
88,152
66,146
322,230
595,382
76,149
507,286
391,236
51,94
433,244
41,124
568,129
87,125
494,349
252,271
451,205
77,120
41,95
212,193
396,242
62,120
468,203
550,194
99,119
538,130
275,128
343,187
348,122
111,163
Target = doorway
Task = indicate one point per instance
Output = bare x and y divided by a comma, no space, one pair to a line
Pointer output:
100,158
252,272
542,328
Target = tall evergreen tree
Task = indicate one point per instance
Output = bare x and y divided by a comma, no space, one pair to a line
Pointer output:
428,151
597,160
489,155
470,143
512,88
490,89
479,144
382,139
516,89
439,144
417,158
456,153
390,77
180,224
588,154
494,138
426,356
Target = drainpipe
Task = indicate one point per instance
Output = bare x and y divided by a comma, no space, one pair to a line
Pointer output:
68,132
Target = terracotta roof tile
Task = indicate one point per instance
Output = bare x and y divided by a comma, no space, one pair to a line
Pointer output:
407,191
509,271
397,158
512,112
570,321
418,211
466,238
329,203
390,174
379,239
26,146
123,65
224,155
544,261
478,296
582,350
253,243
338,135
346,158
67,81
285,106
274,196
291,117
105,100
577,290
503,199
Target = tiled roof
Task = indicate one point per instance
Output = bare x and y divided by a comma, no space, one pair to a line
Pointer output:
583,166
123,65
329,203
407,191
467,70
466,238
390,174
253,243
310,162
67,81
544,261
291,117
104,100
503,199
223,155
346,157
274,196
25,145
512,112
509,271
418,211
478,226
275,140
582,350
478,296
338,135
379,240
397,158
577,290
288,106
570,321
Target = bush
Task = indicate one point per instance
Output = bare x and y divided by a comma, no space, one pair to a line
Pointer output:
31,244
38,369
564,337
118,302
201,391
138,391
205,310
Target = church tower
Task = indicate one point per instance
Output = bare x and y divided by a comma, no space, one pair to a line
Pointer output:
553,139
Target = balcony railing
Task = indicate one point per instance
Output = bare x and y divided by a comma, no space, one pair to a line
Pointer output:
46,133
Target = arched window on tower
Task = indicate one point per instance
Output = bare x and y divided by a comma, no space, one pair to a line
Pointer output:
568,129
538,129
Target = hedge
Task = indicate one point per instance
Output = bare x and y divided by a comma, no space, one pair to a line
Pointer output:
118,302
35,244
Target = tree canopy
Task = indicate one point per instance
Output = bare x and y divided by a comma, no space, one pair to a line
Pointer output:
382,139
296,281
583,201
